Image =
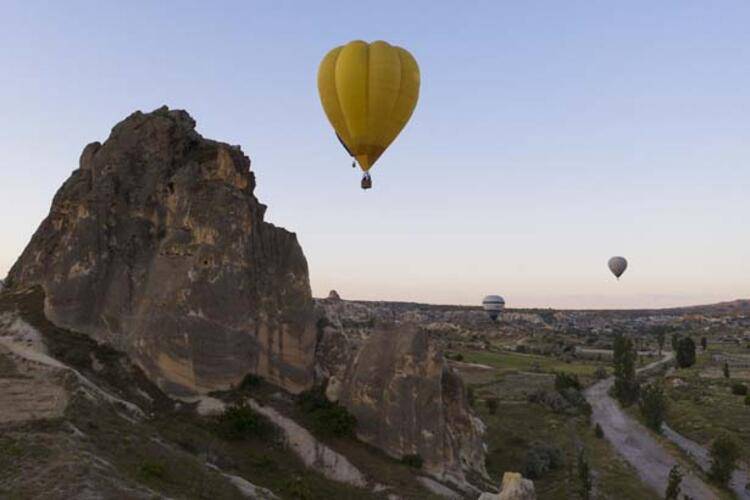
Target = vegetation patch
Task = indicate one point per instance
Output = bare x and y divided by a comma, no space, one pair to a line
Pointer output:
325,417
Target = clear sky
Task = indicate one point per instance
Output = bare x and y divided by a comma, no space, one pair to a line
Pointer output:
549,136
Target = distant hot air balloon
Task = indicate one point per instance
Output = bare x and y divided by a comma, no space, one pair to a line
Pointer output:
617,265
368,92
493,305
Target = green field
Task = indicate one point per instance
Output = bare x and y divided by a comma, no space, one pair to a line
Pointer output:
506,362
703,407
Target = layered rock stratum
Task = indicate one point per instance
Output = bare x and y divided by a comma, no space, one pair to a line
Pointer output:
157,245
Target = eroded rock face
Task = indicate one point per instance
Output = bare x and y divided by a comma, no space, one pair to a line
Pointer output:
157,245
395,381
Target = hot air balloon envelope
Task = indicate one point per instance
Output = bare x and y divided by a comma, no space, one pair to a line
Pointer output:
617,265
368,92
493,305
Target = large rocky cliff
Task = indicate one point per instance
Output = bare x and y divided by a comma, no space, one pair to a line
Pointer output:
157,245
392,375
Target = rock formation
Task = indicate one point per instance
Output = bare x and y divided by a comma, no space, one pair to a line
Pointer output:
514,487
157,245
394,379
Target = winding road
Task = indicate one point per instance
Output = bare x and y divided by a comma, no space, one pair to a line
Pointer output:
640,448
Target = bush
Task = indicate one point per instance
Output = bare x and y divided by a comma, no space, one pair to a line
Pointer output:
492,404
584,476
739,389
326,418
239,422
724,455
152,470
541,459
566,380
458,357
414,460
250,381
673,487
598,431
600,373
298,489
470,395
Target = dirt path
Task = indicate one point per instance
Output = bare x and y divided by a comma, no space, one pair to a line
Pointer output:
635,443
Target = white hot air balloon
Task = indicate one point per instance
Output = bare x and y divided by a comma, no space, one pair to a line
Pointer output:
493,305
617,265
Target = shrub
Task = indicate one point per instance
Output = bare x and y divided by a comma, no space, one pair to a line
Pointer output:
653,405
747,400
326,418
566,380
724,455
541,459
600,373
470,395
250,381
598,431
414,460
584,476
152,470
739,389
726,369
298,489
673,487
492,404
239,422
458,357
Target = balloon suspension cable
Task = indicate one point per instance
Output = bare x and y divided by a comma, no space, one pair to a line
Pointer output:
354,164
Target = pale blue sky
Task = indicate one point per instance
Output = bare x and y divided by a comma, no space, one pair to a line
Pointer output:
548,137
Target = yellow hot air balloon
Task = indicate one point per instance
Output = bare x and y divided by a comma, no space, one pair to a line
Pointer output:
368,92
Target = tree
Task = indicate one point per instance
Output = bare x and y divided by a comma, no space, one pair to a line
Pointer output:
675,340
584,476
726,369
704,343
598,431
492,405
724,455
685,352
653,405
661,333
675,480
624,357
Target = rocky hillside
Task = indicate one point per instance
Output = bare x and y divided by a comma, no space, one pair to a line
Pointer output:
155,282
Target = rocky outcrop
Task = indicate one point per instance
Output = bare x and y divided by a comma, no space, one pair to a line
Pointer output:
407,401
514,487
157,245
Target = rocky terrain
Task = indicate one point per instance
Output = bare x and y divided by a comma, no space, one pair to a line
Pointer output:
154,304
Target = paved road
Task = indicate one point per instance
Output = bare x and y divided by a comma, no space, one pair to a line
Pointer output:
635,443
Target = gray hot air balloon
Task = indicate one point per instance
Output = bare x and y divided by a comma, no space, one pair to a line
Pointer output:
617,265
494,305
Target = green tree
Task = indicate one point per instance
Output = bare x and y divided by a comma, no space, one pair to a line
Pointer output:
704,343
661,334
598,431
685,352
584,476
492,404
624,357
724,454
653,405
674,486
675,340
726,369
